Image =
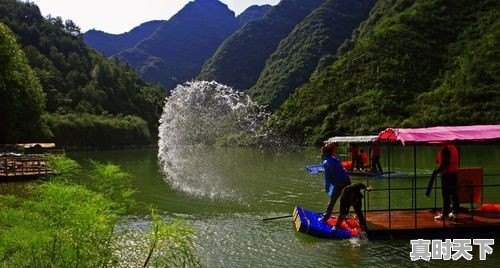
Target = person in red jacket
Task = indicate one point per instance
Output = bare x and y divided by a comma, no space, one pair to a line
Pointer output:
375,158
448,161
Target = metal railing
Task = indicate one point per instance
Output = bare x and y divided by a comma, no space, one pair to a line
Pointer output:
470,210
25,165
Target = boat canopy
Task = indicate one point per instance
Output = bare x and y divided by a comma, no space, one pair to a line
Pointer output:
42,145
441,134
339,139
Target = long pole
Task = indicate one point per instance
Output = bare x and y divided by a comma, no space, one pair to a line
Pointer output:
276,218
415,183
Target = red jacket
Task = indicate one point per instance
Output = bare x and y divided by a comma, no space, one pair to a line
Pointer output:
448,159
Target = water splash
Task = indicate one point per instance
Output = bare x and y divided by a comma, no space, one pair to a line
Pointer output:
197,116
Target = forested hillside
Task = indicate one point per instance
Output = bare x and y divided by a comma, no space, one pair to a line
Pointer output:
410,63
110,44
240,59
20,90
75,81
175,52
319,34
413,63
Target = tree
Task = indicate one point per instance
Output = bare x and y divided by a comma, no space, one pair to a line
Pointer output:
22,101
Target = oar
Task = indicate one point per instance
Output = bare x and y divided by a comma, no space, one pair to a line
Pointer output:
431,182
275,218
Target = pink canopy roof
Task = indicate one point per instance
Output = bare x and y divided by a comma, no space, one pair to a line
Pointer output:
441,134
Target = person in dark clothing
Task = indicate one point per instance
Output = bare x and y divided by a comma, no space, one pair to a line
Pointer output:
352,196
355,157
448,161
336,178
375,158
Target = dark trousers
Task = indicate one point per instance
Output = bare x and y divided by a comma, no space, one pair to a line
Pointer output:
337,190
345,204
356,163
449,191
376,166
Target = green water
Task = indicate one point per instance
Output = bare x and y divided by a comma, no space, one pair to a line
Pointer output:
257,184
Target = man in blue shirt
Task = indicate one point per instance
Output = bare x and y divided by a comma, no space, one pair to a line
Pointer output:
336,178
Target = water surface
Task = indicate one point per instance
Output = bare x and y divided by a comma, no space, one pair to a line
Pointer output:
253,184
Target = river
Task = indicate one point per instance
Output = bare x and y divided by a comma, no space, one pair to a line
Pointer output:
238,187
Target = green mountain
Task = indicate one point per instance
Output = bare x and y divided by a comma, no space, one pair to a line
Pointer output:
20,90
240,59
175,52
319,34
411,63
77,80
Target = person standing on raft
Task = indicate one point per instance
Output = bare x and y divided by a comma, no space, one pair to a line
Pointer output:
336,178
448,161
352,196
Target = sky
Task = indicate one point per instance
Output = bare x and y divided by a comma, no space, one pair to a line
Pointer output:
119,16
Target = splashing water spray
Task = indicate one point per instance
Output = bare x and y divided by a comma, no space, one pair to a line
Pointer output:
197,116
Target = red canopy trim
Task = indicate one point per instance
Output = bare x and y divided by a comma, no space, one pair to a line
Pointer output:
441,134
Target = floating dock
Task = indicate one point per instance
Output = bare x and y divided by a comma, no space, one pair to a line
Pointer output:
23,167
421,224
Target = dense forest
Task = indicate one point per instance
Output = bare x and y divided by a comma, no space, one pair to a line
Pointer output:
413,63
319,34
324,67
52,76
21,96
240,59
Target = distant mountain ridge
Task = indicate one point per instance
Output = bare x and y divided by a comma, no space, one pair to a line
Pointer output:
171,52
253,13
240,59
345,67
111,44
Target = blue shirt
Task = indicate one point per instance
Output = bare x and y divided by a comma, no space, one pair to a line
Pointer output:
334,174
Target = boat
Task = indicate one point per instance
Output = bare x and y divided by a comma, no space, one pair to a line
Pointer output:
347,163
316,169
479,215
307,222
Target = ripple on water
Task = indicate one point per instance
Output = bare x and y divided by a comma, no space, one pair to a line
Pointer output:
244,240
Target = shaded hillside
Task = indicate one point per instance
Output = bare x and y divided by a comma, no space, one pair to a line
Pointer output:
76,79
180,46
21,95
319,34
240,59
435,52
252,13
110,44
470,90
